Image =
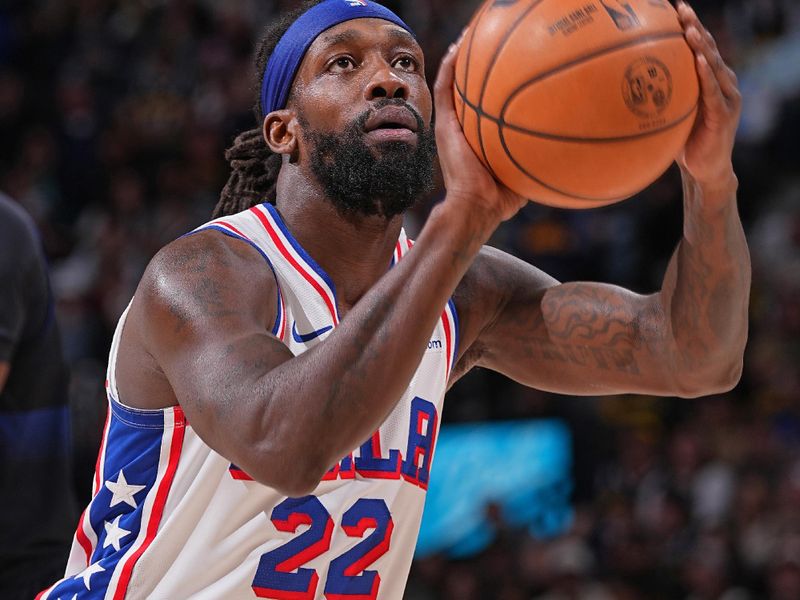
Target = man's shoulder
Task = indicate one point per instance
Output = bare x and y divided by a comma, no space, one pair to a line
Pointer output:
200,250
204,262
200,285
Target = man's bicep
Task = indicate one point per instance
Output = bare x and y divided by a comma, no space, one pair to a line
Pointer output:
483,299
577,338
205,310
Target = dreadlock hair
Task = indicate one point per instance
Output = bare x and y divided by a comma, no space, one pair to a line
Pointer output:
254,166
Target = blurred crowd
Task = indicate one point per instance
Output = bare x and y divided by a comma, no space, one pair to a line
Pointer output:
114,115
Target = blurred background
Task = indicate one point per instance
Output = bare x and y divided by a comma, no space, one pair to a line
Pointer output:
114,115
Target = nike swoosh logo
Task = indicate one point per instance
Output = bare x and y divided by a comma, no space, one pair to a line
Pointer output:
302,339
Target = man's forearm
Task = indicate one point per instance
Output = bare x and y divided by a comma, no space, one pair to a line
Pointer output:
707,287
350,383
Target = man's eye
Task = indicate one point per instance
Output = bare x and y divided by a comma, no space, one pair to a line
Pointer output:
343,63
407,63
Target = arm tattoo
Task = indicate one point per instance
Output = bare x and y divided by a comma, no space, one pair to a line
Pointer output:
688,337
591,314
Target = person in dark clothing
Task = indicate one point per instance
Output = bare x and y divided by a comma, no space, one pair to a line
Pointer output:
37,504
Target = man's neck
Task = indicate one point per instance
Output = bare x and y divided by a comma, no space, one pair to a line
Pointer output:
354,251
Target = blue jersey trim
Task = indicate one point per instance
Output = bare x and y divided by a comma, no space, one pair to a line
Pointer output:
140,418
452,306
132,451
276,326
303,254
304,339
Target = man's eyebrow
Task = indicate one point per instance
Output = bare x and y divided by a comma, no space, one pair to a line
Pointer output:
401,36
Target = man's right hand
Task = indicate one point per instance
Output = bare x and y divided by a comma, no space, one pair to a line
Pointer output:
466,178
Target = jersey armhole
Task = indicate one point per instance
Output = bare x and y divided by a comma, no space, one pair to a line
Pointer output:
279,327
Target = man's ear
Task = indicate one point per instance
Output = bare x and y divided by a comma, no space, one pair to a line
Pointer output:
280,132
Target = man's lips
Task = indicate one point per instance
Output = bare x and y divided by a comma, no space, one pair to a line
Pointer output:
391,118
400,134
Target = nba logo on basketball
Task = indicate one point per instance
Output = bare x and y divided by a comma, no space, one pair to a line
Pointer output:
356,2
625,18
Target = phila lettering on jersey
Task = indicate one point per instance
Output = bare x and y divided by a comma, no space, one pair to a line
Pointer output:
170,518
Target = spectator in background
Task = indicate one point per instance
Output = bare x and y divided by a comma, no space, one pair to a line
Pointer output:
37,508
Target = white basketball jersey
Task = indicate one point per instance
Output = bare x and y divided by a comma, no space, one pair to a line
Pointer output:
171,519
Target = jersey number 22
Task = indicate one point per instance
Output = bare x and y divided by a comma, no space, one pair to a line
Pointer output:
281,575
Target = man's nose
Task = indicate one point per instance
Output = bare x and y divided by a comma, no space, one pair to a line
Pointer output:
385,83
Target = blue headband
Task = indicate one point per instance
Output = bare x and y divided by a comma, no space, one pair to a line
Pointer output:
292,47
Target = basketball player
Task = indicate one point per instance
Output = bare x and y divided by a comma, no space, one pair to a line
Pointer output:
276,384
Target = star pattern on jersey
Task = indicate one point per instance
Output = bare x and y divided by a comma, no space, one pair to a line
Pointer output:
114,533
87,573
74,597
122,491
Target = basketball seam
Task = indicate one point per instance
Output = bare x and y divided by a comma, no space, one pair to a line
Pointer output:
501,124
564,138
561,68
468,59
548,186
578,61
492,64
530,175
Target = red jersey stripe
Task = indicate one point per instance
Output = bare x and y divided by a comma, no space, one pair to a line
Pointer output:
282,332
233,229
82,538
162,492
292,261
448,340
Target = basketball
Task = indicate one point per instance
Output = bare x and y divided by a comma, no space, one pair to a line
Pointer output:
576,103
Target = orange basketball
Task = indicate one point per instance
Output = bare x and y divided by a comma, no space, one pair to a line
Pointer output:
576,103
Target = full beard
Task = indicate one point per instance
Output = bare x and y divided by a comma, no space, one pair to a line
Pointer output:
386,181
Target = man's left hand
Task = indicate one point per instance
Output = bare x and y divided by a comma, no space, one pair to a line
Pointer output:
707,154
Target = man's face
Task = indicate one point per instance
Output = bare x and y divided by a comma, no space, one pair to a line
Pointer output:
365,113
